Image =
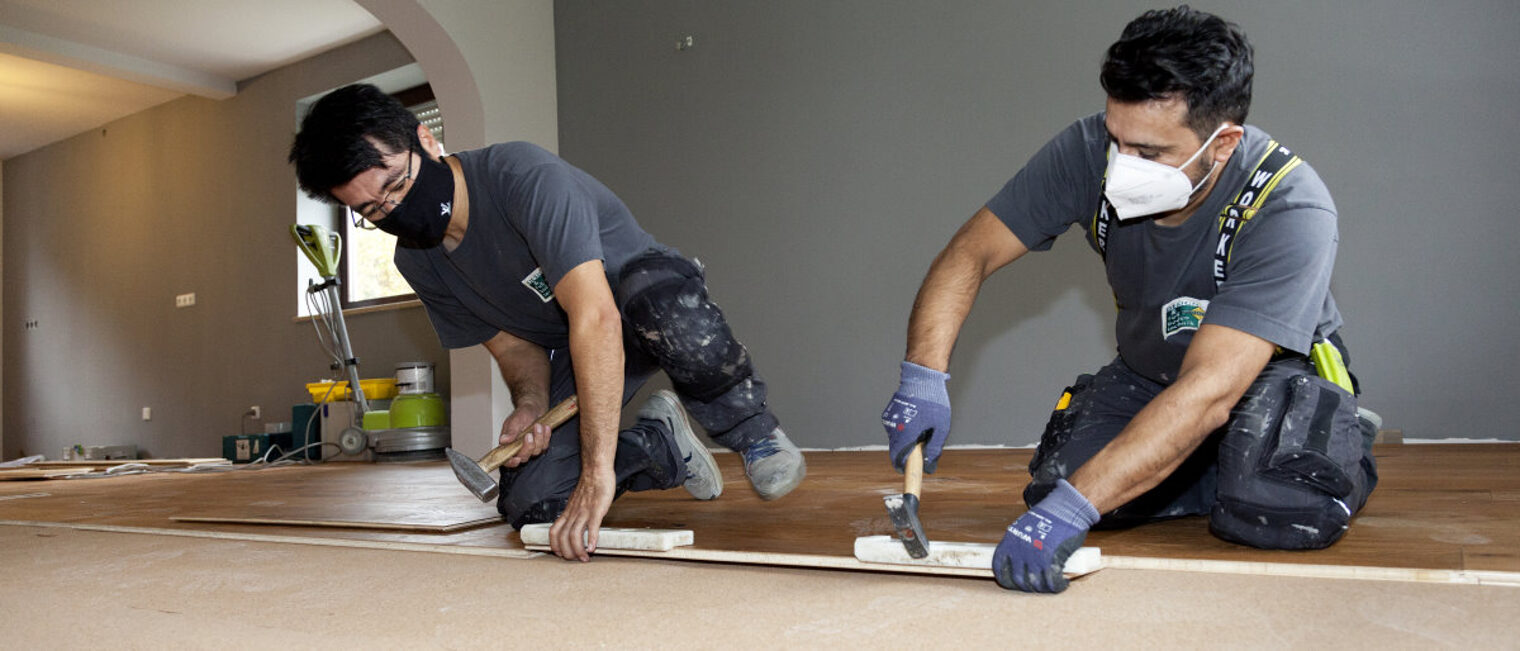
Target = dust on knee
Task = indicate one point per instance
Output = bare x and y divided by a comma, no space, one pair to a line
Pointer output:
676,324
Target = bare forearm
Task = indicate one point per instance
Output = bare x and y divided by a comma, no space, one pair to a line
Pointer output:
940,309
981,246
597,348
1150,448
524,368
1219,366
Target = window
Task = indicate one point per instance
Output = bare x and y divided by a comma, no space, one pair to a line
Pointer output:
368,273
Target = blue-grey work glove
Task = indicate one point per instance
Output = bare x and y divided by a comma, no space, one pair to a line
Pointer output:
919,411
1035,547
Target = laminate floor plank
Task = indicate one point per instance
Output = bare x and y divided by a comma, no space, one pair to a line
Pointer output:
1447,507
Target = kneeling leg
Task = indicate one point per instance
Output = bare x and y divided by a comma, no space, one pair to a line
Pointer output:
671,318
1294,464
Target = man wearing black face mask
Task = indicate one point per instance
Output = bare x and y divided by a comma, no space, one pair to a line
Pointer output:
1229,397
512,248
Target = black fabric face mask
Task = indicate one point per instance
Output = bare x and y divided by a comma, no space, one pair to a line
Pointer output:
422,217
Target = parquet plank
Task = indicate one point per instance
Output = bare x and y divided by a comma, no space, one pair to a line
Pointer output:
1448,507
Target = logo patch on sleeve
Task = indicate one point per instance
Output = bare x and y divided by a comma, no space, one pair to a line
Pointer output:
1182,313
536,282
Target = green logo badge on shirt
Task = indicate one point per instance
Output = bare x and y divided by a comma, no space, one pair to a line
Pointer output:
535,281
1182,313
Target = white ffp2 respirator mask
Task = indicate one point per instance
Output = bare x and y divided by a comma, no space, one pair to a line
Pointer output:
1136,187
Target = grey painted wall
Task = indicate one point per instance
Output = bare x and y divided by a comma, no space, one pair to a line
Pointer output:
2,308
817,155
103,230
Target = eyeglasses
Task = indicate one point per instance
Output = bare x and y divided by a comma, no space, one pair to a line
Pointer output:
363,223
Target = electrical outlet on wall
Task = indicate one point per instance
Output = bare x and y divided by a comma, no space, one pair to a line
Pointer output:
184,300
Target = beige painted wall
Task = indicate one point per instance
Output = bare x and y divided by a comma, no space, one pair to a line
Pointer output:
2,308
104,229
156,206
509,48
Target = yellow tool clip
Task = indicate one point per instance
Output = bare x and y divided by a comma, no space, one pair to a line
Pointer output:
1328,363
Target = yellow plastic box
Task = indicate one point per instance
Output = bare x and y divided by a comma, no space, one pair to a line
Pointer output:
382,388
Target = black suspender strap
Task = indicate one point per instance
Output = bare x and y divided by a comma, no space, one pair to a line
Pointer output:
1270,170
1103,219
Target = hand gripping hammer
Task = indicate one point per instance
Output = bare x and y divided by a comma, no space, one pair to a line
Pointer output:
476,475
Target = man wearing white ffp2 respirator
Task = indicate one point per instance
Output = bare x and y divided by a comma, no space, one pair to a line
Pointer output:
1137,187
1218,243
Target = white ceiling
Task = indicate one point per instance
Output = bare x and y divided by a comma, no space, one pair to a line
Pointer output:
68,66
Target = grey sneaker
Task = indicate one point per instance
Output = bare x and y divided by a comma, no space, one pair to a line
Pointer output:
774,465
703,479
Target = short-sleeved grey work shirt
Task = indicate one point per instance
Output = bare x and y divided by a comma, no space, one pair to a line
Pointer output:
1278,283
532,218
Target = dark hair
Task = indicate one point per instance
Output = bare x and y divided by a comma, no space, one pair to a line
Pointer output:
1182,52
332,148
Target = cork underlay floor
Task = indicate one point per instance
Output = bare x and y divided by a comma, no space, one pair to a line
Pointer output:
65,588
1454,509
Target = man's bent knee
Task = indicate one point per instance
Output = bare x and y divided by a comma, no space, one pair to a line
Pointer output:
676,323
537,491
1293,467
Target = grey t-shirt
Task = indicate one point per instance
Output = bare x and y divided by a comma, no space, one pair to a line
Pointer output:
533,218
1278,283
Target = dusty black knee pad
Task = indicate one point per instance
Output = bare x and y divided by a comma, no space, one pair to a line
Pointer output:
1292,466
675,322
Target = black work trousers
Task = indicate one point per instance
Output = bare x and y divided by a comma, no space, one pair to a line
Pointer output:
1287,471
670,324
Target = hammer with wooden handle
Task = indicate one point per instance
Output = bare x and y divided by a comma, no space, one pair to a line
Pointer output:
903,509
476,475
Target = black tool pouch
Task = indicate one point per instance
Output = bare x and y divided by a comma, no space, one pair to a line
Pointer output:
1319,441
1058,428
1291,467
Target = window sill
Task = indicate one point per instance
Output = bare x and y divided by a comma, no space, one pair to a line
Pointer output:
354,311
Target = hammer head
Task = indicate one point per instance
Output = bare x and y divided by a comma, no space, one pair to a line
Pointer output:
477,479
903,509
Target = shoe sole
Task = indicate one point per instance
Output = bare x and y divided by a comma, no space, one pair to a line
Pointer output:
683,430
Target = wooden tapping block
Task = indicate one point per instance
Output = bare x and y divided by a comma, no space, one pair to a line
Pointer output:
886,549
657,540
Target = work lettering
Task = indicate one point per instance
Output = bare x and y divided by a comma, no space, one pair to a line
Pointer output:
1276,164
1250,200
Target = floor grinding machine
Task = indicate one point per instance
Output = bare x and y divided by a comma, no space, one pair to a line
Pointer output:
414,425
